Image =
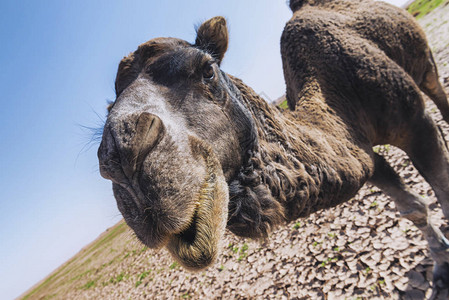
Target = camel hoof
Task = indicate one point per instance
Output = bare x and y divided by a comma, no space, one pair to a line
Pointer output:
440,282
441,275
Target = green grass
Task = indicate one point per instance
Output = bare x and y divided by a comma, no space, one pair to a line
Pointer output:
144,274
283,105
420,8
327,261
77,277
243,253
141,277
233,248
297,225
89,284
174,265
120,277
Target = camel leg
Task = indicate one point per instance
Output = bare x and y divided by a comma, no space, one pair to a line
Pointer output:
431,86
414,208
427,148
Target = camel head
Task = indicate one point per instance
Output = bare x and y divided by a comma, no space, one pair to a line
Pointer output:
175,135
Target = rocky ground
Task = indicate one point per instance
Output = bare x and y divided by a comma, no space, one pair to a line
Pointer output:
359,250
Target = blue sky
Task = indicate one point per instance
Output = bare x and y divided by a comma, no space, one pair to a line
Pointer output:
58,62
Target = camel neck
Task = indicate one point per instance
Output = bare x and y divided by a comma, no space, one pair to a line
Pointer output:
306,168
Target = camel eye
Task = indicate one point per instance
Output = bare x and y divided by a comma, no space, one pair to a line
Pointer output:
208,72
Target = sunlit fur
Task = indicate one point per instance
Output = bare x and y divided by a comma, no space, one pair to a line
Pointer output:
225,155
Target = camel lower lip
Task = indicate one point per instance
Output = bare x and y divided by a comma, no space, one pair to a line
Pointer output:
188,235
196,246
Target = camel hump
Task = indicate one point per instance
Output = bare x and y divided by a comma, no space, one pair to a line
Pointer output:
341,61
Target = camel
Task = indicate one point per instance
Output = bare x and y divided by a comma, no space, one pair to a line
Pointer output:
192,150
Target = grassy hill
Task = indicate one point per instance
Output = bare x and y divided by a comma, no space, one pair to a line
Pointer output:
77,272
420,8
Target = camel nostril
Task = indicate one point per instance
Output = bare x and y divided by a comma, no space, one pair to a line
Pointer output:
149,130
126,144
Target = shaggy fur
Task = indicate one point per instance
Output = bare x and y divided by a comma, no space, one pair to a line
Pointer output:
354,72
351,84
292,173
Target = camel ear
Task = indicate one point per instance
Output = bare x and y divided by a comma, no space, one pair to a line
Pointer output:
212,37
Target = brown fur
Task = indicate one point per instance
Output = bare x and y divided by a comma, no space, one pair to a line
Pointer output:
354,71
350,86
212,37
